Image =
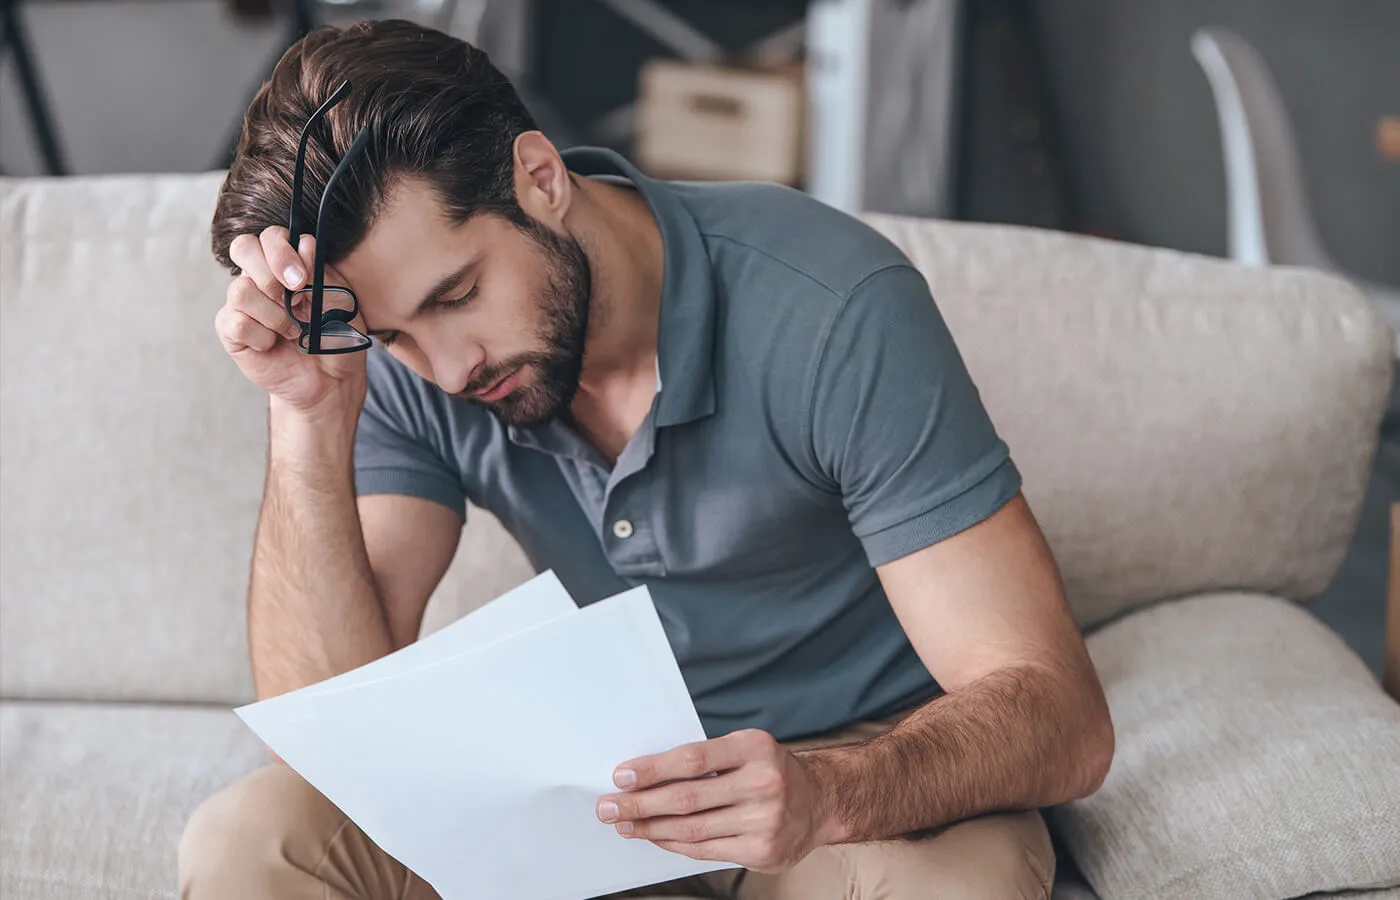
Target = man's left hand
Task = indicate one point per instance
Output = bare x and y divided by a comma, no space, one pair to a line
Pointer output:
742,798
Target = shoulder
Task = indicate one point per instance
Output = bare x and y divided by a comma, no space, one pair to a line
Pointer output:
797,238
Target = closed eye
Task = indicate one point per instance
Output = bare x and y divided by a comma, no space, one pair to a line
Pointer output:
460,301
387,338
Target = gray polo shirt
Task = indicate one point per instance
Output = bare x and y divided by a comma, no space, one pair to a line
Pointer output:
814,420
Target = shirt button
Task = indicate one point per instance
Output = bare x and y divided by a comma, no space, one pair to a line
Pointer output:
622,529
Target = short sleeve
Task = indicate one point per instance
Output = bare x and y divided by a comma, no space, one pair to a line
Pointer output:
898,425
399,448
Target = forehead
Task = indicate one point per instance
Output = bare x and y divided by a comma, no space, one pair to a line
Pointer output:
411,234
409,224
410,246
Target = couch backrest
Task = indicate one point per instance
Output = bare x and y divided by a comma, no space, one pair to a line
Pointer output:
1182,424
131,456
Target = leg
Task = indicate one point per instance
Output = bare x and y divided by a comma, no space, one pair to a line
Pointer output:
998,857
711,886
274,836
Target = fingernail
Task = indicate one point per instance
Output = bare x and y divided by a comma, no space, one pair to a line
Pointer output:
624,778
624,828
293,276
607,811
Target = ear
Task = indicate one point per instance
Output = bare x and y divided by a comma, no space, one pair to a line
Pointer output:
542,184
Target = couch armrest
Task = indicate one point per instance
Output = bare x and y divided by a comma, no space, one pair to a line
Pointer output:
1390,672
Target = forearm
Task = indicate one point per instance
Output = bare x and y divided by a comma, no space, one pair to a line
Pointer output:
313,608
1019,738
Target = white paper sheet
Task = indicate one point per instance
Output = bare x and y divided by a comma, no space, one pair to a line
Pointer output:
481,770
535,602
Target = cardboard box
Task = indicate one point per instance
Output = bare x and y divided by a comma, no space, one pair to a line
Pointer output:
707,122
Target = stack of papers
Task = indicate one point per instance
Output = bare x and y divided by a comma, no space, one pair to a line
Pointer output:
477,755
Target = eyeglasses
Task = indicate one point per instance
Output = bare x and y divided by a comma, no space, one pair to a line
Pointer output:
328,309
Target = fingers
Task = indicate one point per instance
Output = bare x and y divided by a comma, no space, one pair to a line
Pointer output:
721,850
731,821
681,798
283,260
245,297
694,760
239,332
250,320
686,761
270,261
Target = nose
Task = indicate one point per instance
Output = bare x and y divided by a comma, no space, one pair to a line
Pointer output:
453,369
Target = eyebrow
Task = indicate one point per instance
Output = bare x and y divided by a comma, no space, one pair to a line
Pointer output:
439,290
436,293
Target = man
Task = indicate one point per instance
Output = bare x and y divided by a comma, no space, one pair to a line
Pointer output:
731,393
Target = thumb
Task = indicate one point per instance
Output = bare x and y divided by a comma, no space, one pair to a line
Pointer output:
306,249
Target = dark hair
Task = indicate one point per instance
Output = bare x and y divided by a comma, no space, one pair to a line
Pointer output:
436,107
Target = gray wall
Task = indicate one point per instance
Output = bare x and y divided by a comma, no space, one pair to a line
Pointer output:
1139,124
137,85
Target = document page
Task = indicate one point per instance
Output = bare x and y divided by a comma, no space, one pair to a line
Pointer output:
481,770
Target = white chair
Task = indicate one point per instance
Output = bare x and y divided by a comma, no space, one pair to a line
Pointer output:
1270,219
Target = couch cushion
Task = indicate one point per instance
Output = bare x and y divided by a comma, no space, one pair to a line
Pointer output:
94,797
1256,757
133,447
1183,424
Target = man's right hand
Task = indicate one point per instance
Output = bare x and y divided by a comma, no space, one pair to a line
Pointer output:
262,339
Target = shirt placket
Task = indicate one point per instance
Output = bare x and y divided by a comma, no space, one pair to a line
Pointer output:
628,528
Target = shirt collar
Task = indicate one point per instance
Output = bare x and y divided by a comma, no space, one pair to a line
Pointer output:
686,336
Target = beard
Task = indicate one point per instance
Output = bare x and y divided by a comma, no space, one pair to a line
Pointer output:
564,305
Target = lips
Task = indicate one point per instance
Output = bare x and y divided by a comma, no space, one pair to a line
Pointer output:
499,389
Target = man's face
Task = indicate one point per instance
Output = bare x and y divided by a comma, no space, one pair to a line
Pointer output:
484,310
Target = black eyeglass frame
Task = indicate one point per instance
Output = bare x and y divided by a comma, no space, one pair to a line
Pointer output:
312,331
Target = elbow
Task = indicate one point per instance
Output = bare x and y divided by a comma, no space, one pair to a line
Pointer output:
1094,750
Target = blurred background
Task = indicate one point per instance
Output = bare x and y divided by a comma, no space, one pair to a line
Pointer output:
1264,130
1089,115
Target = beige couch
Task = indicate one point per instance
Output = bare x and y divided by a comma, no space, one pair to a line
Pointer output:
1195,439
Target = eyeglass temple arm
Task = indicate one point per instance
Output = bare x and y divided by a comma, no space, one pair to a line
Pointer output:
318,270
294,217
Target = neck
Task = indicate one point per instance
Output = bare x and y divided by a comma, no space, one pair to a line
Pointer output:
626,256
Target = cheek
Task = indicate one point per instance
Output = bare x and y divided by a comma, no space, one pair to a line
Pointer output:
511,320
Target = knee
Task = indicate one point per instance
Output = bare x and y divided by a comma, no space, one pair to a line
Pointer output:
1007,855
240,838
992,857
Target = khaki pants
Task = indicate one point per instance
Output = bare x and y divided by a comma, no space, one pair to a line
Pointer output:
273,836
